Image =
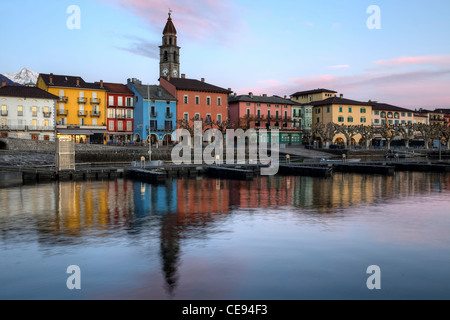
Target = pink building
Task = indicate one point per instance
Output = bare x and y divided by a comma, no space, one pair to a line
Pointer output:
263,112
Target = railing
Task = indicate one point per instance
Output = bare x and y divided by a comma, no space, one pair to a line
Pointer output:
47,114
120,116
169,115
96,101
95,114
25,128
82,100
39,128
4,113
20,113
82,113
154,114
62,112
63,99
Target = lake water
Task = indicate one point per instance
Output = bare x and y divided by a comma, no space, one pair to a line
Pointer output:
272,238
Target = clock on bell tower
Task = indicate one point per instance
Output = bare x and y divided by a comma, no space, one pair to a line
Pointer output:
169,64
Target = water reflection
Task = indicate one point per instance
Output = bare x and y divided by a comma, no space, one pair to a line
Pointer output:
87,213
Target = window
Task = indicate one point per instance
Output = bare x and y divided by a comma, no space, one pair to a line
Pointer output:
277,106
403,114
129,102
129,125
81,122
409,114
208,118
377,121
129,114
186,116
258,112
328,109
294,113
46,123
120,101
94,122
186,99
208,101
285,114
377,113
363,120
168,125
111,113
318,120
197,116
34,137
111,125
153,125
153,112
111,101
268,113
363,110
137,99
248,104
341,119
258,104
349,109
340,109
277,114
219,101
268,105
20,110
197,100
248,112
383,115
219,118
350,119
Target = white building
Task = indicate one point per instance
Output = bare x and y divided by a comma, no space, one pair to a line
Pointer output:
27,113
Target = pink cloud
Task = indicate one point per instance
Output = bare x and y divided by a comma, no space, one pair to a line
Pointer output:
197,19
340,66
434,60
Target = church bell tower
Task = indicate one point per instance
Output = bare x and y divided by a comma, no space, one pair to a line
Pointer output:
169,64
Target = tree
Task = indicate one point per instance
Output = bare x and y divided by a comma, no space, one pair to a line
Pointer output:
408,132
388,134
367,134
326,132
428,132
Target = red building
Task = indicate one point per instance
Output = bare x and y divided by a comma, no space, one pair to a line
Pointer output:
197,99
120,113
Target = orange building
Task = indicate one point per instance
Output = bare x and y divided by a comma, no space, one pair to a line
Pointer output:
197,99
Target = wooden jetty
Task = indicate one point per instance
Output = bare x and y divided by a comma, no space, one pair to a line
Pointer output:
365,169
229,173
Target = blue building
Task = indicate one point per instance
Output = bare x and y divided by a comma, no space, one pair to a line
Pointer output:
155,112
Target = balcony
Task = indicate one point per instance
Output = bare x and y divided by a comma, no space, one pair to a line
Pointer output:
47,114
82,113
39,128
95,114
63,99
96,101
169,115
4,113
121,116
62,112
82,100
153,114
20,113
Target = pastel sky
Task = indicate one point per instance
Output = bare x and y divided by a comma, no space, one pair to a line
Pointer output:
265,46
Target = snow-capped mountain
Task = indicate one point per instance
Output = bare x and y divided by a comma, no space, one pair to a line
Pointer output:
7,81
24,76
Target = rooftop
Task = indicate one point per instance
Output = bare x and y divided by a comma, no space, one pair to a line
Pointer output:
196,85
387,107
337,100
68,82
260,99
153,92
303,93
117,88
26,92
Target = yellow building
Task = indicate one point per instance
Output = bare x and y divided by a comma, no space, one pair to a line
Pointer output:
313,95
342,112
81,108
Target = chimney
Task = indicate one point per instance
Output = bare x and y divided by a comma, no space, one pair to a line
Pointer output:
3,84
51,78
341,95
235,94
285,97
183,76
101,83
250,94
78,82
203,79
264,95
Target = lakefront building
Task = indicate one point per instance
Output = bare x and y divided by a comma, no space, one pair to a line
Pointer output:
27,113
383,114
264,112
155,112
120,113
81,107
